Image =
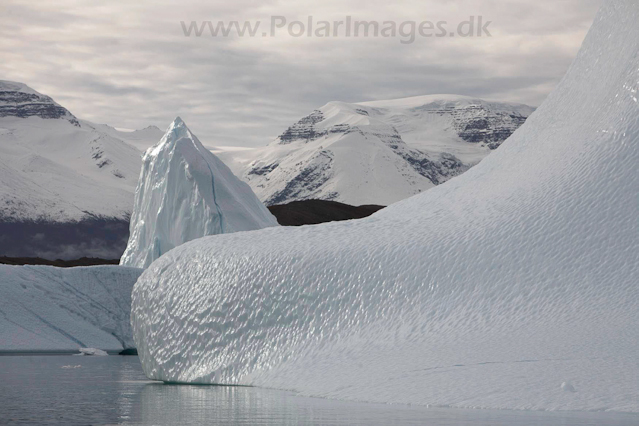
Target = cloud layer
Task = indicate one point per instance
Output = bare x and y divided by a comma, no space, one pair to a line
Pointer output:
129,64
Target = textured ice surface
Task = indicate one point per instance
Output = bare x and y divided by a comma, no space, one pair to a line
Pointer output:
185,192
45,308
491,290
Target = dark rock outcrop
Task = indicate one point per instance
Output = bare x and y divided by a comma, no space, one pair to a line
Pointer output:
311,212
303,129
17,103
103,238
478,123
310,179
84,261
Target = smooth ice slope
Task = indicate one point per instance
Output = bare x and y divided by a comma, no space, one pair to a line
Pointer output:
185,192
43,308
514,285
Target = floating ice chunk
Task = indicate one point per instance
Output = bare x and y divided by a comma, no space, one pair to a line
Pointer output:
477,293
185,192
92,351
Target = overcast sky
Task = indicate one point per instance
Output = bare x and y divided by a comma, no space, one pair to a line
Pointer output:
129,64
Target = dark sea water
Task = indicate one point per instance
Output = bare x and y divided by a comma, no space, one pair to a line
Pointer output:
74,390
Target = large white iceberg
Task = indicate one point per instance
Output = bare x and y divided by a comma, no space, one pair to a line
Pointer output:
185,192
515,285
43,308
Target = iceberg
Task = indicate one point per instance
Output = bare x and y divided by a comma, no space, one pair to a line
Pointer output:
92,352
512,286
44,308
185,192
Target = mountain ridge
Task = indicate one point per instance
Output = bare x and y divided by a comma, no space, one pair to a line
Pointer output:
376,152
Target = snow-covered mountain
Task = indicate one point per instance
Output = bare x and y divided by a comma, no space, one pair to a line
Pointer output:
52,163
67,185
57,169
376,152
185,192
19,100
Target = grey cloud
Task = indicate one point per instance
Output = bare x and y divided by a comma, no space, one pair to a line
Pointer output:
129,65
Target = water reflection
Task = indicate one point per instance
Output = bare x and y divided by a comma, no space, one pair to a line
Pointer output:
162,404
113,390
253,406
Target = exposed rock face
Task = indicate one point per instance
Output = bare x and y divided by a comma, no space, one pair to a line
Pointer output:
312,212
473,120
306,130
437,170
479,124
303,129
18,100
308,180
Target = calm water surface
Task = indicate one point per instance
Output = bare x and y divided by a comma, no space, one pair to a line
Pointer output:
70,390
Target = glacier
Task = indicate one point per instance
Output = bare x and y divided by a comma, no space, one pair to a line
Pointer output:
45,308
512,286
185,192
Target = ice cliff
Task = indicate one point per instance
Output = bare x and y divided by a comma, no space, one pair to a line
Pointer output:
43,308
513,285
185,192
